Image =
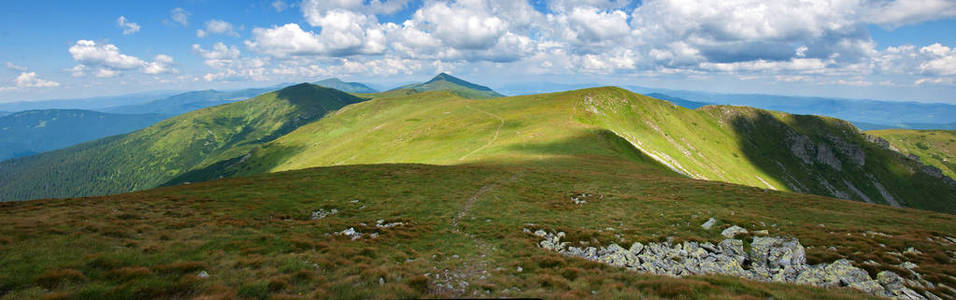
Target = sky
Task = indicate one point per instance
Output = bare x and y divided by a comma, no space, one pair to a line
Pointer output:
899,50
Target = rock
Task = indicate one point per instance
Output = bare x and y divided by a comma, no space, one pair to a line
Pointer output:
913,251
762,232
931,296
321,213
519,269
203,274
733,231
844,272
908,265
636,248
870,286
890,281
351,233
710,223
816,275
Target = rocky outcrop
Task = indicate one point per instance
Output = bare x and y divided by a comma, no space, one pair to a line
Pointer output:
776,259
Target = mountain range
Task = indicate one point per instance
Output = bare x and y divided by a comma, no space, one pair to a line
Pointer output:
309,191
348,87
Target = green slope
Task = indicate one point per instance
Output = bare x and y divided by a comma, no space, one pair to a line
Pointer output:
741,145
348,87
445,82
936,148
461,227
35,131
151,156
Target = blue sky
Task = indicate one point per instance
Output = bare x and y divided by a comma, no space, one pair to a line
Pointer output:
885,49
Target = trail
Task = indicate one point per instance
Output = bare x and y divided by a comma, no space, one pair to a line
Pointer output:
493,139
471,270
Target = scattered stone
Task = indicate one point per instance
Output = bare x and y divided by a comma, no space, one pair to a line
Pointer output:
203,274
710,223
381,281
913,251
321,213
777,259
519,269
381,224
351,233
733,231
908,265
762,232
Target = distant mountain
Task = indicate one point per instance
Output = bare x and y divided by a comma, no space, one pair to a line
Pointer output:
35,131
679,101
348,87
874,112
154,155
445,82
189,101
92,103
4,113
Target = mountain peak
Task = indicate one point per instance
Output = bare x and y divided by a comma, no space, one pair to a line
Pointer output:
349,87
457,81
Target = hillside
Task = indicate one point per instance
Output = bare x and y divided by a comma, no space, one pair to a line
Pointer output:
896,114
936,148
189,101
457,86
348,87
806,154
35,131
421,231
146,158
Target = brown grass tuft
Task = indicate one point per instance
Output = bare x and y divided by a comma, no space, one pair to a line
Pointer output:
52,279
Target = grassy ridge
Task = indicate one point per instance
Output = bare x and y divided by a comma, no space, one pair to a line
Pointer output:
255,239
933,147
156,154
731,144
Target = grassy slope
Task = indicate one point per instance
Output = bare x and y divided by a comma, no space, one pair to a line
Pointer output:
934,147
156,154
254,237
731,144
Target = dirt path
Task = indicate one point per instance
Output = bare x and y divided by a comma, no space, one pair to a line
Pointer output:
493,139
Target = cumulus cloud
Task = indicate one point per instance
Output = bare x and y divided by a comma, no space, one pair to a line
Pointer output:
179,16
285,40
30,80
314,9
220,55
127,26
109,61
903,12
215,26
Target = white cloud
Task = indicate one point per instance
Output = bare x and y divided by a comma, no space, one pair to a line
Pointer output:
180,16
109,61
219,56
14,67
593,25
279,5
285,40
30,80
127,26
215,26
314,9
903,12
939,60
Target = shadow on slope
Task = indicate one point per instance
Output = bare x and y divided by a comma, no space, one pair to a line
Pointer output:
825,156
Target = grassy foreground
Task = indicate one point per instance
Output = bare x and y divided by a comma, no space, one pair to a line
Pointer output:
255,238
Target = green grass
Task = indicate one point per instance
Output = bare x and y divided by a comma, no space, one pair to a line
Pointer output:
934,147
156,154
722,143
254,237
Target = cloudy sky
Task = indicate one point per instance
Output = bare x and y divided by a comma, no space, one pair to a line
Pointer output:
877,49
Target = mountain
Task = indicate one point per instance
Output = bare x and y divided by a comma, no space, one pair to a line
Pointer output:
678,101
887,113
4,113
189,101
742,145
922,126
34,131
936,148
153,155
445,82
425,231
348,87
92,103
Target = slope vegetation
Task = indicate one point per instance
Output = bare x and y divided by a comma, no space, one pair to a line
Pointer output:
34,131
741,145
936,148
156,154
412,231
455,85
348,87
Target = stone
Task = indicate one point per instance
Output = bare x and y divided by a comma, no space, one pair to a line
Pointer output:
322,213
203,274
710,223
890,281
636,248
776,253
733,231
870,286
844,272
